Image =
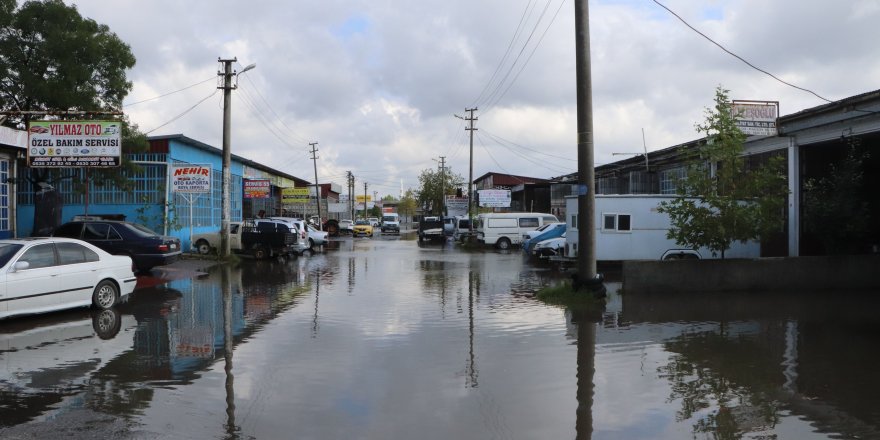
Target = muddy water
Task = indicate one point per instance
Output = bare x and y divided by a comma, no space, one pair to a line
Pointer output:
389,339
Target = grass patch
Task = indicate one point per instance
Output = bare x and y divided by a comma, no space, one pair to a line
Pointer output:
563,294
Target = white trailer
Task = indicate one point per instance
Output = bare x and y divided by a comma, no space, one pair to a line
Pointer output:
629,227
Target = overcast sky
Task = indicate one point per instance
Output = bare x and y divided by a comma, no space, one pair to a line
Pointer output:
377,83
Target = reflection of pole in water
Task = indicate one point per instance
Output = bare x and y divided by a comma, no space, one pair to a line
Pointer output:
317,294
351,272
226,287
472,373
585,320
790,357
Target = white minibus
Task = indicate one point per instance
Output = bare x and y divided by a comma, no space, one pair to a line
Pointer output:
505,229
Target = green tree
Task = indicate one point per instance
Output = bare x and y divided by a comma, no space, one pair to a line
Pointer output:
434,186
54,60
407,206
723,198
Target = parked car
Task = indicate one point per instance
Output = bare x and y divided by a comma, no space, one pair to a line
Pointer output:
549,247
314,236
146,248
362,228
545,232
374,221
346,226
297,227
45,274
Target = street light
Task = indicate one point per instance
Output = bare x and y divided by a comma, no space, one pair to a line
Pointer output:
225,212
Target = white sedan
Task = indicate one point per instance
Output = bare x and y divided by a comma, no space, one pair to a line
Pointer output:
39,275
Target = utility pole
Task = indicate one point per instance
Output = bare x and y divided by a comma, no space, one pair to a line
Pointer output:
442,185
225,212
365,200
317,187
350,183
586,261
471,129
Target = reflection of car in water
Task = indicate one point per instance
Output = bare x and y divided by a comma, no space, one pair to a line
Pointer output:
58,354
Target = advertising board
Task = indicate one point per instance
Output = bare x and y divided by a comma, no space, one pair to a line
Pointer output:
295,195
756,118
74,144
257,188
187,178
494,198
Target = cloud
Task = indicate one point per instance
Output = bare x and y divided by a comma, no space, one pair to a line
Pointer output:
377,83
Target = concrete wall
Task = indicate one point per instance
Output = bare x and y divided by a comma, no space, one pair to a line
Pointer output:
745,275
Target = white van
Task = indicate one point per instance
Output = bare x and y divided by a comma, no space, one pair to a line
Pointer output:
505,229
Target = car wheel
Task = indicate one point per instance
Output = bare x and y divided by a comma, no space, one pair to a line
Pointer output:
106,294
259,253
311,243
203,247
503,243
106,323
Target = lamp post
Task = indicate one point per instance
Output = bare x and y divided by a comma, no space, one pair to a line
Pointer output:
225,213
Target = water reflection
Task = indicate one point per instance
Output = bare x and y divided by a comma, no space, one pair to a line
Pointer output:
384,339
757,365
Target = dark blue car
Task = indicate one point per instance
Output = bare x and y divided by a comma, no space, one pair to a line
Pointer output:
146,248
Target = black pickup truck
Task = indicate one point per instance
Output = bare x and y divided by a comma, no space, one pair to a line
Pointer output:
431,228
269,239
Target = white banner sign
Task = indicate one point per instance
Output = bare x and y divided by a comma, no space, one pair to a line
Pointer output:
337,207
456,206
494,198
74,144
191,178
756,118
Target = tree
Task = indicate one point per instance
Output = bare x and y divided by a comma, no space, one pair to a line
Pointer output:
407,206
723,198
54,60
434,186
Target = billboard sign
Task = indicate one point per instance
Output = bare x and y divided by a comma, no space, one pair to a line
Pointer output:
295,195
494,198
186,178
456,206
74,144
756,118
257,188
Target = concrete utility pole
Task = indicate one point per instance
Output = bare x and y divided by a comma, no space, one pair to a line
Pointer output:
317,187
442,168
586,263
351,194
227,87
471,129
365,200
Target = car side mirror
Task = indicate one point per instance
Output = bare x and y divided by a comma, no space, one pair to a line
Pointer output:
20,265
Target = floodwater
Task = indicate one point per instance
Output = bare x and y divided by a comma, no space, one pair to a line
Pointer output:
385,338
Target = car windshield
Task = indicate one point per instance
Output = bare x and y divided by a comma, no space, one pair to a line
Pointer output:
362,222
7,250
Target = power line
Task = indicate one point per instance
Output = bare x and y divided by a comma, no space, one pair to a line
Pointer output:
500,139
534,49
184,112
513,39
515,61
739,57
541,164
169,93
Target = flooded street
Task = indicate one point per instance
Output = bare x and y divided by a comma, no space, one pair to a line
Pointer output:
385,338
